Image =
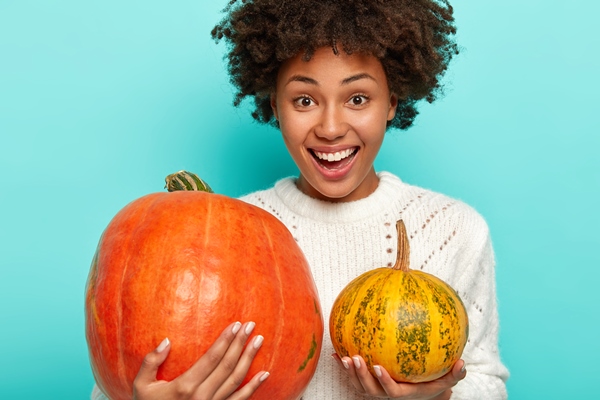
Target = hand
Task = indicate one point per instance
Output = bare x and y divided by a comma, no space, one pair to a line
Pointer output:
216,375
385,386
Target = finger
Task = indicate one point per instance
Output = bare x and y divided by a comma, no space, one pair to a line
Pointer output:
370,384
390,386
449,380
235,379
428,389
343,364
350,369
227,363
150,364
459,371
248,389
207,363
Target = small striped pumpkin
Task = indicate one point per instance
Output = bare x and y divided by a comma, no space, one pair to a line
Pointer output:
409,322
186,264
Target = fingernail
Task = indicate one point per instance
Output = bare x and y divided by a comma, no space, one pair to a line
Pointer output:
249,327
377,370
345,364
463,369
163,345
257,341
236,327
264,376
356,362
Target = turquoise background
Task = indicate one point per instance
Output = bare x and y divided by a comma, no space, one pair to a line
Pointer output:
99,100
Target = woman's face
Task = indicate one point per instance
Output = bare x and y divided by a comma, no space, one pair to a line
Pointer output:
333,111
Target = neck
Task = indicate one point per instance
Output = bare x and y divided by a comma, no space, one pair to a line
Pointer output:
340,191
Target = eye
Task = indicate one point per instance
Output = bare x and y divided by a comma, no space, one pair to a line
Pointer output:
359,100
303,101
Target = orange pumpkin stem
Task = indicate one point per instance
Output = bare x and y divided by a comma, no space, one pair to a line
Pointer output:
403,251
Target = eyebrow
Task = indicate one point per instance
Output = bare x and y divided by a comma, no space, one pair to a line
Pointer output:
346,81
357,77
302,78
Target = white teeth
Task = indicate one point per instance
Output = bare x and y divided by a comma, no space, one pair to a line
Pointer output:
337,156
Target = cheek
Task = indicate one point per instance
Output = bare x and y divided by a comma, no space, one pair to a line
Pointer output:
371,128
290,135
294,142
294,128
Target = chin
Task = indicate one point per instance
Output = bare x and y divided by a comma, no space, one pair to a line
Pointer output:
337,195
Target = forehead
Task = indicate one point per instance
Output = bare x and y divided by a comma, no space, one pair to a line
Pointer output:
327,67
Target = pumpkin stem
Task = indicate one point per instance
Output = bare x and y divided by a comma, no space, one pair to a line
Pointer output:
403,251
184,180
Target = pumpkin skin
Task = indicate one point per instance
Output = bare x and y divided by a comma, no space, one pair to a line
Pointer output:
185,265
410,322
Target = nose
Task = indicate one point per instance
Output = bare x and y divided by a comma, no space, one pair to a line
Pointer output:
332,124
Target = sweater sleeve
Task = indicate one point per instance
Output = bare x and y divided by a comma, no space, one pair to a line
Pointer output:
476,284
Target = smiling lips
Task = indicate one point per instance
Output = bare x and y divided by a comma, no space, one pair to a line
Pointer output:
334,161
337,156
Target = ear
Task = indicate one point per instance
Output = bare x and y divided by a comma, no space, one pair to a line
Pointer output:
274,105
393,106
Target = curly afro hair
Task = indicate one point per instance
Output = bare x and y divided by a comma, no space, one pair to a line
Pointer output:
413,39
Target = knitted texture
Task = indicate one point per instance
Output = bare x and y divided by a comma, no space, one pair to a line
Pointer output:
343,240
447,239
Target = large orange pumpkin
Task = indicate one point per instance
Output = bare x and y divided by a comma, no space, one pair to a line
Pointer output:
410,322
186,264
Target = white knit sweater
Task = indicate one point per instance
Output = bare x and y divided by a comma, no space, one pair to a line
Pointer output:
447,239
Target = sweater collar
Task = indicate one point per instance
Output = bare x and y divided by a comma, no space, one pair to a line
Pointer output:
388,189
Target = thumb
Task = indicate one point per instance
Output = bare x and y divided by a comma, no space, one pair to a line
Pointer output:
459,370
151,362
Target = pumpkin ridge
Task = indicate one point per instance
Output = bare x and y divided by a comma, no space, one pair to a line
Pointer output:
381,310
281,303
361,316
443,296
202,261
121,367
345,303
373,309
437,311
412,339
142,251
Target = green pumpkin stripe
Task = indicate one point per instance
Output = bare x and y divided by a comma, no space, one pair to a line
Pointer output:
311,354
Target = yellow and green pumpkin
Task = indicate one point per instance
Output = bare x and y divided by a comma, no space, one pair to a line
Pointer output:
410,322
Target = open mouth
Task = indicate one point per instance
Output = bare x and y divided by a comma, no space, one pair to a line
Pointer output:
335,160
